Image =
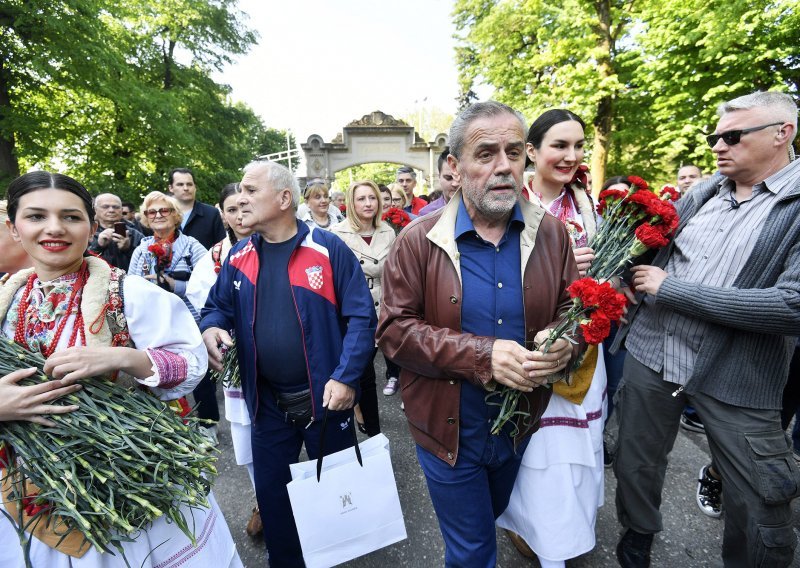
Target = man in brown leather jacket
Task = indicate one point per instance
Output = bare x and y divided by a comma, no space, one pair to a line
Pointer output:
465,290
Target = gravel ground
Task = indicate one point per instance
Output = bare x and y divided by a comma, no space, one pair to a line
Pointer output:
689,539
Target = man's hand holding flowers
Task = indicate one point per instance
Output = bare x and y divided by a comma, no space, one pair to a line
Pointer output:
214,338
648,279
523,370
583,258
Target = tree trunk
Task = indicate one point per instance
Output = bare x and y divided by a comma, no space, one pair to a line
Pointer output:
9,166
169,57
605,108
602,141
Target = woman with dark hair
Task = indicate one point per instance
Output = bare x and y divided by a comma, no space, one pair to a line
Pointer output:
559,486
617,182
203,278
386,197
89,319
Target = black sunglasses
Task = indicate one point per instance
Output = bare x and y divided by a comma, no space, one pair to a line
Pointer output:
733,137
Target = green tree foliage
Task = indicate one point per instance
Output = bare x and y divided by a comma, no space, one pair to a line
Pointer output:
699,55
646,76
118,93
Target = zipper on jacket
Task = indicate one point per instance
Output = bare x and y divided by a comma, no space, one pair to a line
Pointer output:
679,391
253,335
303,337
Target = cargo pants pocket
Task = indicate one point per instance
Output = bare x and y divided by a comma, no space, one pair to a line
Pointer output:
777,479
775,545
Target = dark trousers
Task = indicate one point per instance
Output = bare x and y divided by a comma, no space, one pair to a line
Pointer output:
276,442
751,454
469,496
614,364
369,399
791,399
392,369
205,398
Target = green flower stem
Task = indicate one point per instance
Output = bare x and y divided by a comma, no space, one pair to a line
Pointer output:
509,397
113,466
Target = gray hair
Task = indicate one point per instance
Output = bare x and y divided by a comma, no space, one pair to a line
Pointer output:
782,106
98,196
279,177
406,170
474,112
336,193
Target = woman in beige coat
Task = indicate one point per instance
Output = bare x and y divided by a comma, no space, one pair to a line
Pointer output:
370,240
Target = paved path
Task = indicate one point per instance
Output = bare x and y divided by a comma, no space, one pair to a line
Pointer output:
690,539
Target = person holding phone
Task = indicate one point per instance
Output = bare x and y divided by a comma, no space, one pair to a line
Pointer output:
114,240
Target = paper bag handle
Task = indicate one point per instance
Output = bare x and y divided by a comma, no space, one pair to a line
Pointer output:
322,443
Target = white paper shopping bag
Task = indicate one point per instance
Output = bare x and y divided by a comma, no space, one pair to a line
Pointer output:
352,510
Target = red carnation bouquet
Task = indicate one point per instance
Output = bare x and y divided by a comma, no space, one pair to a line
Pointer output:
669,193
633,222
162,251
594,306
397,218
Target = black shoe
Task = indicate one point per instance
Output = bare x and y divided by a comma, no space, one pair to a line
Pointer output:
608,457
633,550
692,423
709,494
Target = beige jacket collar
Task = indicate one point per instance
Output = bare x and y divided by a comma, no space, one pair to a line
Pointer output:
442,234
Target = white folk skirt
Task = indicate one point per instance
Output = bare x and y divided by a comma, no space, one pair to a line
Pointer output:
559,487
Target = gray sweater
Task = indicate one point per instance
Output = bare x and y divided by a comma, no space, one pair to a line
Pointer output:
744,357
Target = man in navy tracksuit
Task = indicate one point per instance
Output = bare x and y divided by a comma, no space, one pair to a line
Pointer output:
304,324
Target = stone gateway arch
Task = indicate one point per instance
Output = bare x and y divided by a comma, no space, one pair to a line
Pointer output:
375,137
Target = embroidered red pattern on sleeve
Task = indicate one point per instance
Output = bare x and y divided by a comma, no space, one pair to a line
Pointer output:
171,367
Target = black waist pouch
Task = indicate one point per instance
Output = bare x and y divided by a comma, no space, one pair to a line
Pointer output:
297,405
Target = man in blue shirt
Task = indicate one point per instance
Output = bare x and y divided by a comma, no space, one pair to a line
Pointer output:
467,297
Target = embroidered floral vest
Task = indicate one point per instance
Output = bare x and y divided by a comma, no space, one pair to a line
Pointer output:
102,303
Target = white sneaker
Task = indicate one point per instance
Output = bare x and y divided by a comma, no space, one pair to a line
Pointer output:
391,386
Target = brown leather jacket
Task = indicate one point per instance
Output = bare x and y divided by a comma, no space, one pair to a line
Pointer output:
420,321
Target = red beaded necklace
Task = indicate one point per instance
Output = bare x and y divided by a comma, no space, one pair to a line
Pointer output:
73,303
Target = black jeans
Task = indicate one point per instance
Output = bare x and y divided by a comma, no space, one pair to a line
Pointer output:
392,369
369,399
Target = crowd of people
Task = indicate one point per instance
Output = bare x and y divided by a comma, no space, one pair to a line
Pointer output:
307,286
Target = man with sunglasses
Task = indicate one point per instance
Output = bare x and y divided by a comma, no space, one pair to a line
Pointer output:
714,324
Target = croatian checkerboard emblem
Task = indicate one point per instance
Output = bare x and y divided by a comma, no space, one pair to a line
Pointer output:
314,274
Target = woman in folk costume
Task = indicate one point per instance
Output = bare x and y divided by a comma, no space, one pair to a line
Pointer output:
203,278
89,319
370,240
559,487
